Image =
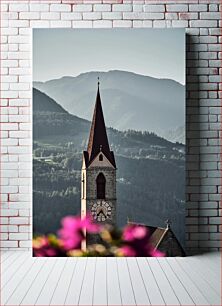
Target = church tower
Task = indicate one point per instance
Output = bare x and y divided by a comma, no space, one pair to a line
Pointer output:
98,175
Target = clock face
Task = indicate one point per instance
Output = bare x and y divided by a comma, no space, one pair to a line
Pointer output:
101,210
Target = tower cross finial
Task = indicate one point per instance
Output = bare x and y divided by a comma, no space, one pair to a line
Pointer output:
168,223
98,82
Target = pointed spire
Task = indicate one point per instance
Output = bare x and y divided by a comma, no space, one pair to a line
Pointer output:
98,141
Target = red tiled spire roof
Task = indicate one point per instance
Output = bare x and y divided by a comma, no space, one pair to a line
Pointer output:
98,140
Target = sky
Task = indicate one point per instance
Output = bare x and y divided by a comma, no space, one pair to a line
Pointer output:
158,53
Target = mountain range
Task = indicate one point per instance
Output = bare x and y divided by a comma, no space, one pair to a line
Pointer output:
130,101
150,175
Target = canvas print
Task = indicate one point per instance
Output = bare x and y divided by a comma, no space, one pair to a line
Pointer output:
108,142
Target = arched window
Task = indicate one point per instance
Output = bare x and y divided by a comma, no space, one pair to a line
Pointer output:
101,186
100,157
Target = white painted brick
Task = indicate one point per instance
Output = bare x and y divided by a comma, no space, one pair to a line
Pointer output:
13,47
9,63
82,8
171,16
18,23
135,15
39,24
122,23
213,7
102,7
4,236
215,220
19,39
177,8
24,212
102,23
24,229
112,15
39,7
137,7
82,24
29,15
9,142
9,212
187,16
215,63
197,7
18,236
18,7
180,23
19,71
19,102
19,220
92,15
19,118
9,31
60,8
71,16
154,8
203,23
4,7
207,15
19,86
162,23
9,244
25,244
138,23
60,24
51,16
122,7
9,173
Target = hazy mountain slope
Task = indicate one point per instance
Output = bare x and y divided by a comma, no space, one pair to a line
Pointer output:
130,101
45,103
150,175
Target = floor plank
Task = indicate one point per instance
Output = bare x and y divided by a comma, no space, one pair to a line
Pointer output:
113,285
188,283
152,288
60,293
35,289
110,281
10,261
140,291
100,283
13,269
213,279
47,291
4,255
20,291
166,289
17,278
180,291
74,289
208,292
86,294
127,293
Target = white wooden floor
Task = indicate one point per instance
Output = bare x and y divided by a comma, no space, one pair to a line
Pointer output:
110,281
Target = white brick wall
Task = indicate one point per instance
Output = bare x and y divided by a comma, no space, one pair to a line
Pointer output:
201,19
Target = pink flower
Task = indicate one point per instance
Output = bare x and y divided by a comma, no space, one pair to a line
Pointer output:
156,253
132,232
74,230
127,251
136,242
42,247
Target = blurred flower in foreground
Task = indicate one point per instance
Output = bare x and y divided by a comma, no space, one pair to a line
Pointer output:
47,246
73,231
133,240
136,242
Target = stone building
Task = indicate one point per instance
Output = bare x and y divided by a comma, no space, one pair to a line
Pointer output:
98,175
